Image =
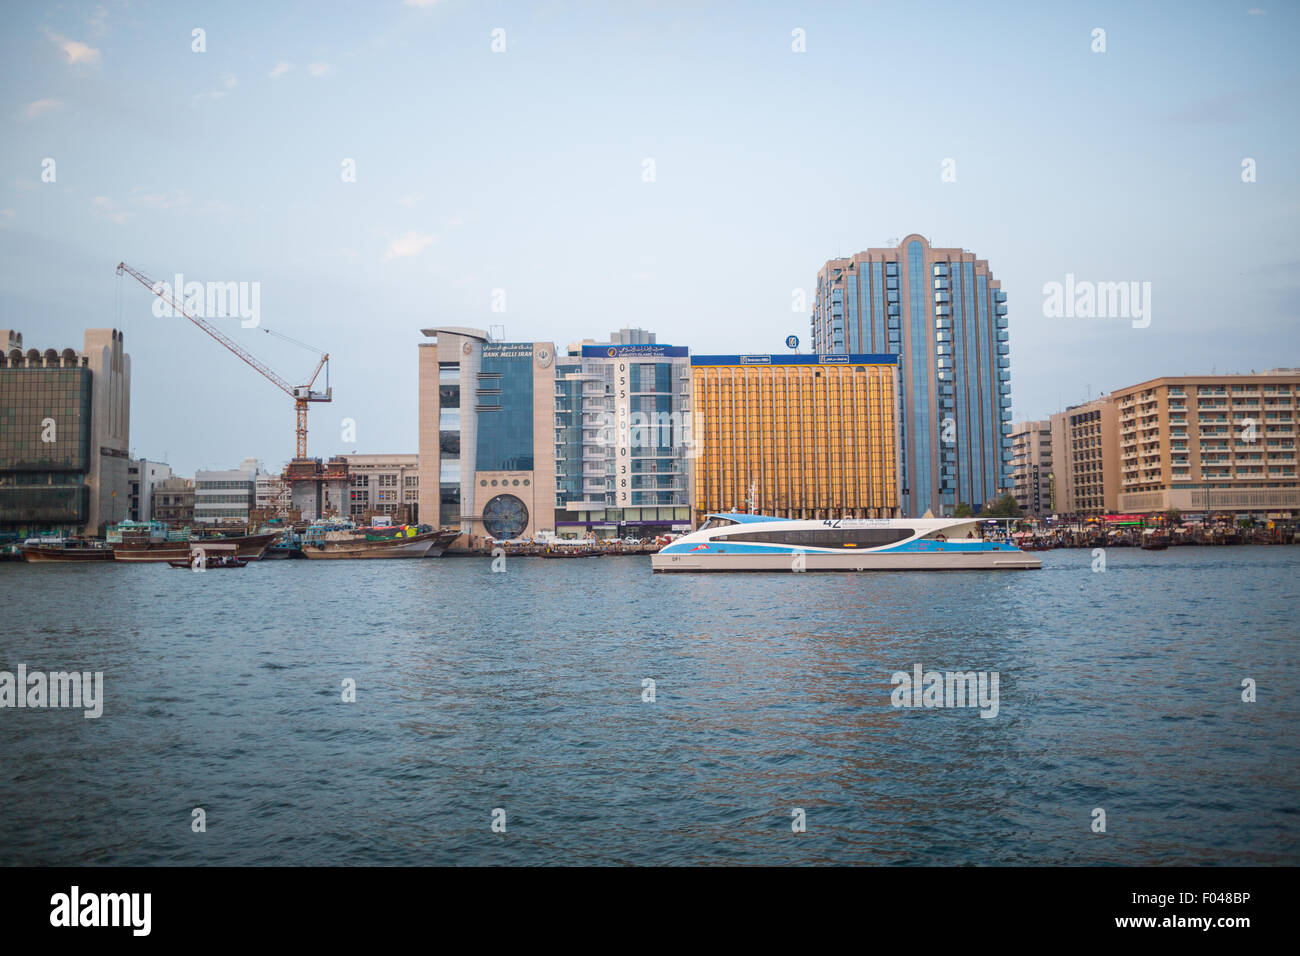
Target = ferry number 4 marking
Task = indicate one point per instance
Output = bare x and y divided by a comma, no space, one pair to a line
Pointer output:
831,522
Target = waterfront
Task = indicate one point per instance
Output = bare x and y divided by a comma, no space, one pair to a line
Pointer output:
522,690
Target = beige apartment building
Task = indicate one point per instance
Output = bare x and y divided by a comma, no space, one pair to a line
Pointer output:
1084,478
1031,466
386,485
1209,443
1195,443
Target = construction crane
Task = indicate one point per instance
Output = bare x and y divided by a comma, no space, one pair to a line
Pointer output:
301,394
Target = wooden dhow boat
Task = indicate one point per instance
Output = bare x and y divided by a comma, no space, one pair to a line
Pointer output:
323,543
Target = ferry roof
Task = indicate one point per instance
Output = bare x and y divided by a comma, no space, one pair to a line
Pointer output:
742,517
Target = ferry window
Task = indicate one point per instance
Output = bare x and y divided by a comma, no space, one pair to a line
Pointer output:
716,523
834,538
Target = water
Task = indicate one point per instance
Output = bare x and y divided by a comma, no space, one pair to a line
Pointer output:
1119,690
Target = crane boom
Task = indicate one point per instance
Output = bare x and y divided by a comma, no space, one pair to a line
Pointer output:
157,289
301,394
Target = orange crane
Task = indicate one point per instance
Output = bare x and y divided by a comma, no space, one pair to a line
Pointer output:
301,394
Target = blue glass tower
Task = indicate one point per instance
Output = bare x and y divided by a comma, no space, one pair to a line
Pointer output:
945,315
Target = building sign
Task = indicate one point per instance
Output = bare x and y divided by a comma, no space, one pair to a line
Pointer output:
508,350
622,435
884,358
635,351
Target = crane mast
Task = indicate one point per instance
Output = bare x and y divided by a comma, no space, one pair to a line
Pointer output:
301,394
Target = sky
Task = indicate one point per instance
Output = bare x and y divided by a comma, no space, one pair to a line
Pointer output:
680,167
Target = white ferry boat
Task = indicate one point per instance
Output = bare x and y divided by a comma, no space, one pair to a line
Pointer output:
753,542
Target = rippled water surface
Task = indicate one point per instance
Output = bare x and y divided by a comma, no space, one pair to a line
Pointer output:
1119,690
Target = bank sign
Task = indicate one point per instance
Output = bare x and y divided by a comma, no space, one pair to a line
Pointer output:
635,351
508,350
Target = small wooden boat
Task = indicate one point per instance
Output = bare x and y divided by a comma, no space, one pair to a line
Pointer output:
211,557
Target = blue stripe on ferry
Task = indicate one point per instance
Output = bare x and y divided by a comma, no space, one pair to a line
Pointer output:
910,547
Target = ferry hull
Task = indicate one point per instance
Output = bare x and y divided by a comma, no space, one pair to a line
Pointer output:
864,561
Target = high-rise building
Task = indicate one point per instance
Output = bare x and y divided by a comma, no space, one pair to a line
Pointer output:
64,435
487,435
945,316
1031,466
795,436
622,465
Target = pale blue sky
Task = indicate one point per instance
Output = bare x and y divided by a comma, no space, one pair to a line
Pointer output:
522,171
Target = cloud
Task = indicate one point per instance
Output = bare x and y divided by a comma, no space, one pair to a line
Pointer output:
75,51
35,109
279,70
318,69
230,81
1256,12
106,207
159,200
408,245
410,199
420,3
210,95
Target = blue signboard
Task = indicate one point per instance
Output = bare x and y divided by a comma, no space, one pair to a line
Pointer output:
792,341
635,351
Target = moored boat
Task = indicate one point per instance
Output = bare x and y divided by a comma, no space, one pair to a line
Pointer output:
400,542
251,546
73,549
147,541
753,542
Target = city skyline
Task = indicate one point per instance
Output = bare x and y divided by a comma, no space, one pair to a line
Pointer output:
519,178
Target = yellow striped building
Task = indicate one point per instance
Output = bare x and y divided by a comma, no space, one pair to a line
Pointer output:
807,436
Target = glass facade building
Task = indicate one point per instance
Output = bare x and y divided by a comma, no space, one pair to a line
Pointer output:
622,422
503,406
63,450
796,436
486,422
945,316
